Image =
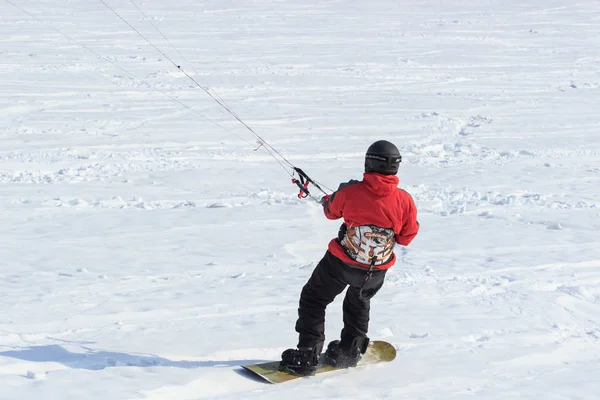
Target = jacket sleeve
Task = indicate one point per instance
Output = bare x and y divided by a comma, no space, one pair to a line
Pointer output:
333,206
334,203
410,225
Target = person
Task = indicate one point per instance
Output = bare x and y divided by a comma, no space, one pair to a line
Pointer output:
377,215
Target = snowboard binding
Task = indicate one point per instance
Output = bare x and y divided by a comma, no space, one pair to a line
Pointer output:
302,361
346,353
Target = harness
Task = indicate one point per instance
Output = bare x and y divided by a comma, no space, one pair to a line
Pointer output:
368,244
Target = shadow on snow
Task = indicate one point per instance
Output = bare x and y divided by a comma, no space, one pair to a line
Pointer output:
97,360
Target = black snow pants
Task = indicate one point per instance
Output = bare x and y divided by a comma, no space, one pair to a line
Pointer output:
330,277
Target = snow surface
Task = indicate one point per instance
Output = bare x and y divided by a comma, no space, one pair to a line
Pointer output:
148,250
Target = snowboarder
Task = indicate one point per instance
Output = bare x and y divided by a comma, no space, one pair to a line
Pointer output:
377,215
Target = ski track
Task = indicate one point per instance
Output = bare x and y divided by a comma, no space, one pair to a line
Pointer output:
158,249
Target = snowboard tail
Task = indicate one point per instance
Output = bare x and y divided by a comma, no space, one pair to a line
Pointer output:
378,351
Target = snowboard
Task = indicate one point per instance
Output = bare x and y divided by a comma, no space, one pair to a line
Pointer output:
378,351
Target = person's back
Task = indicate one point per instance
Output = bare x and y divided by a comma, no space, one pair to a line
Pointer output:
375,201
377,215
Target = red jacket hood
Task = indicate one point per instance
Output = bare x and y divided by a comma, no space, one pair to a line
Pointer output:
379,184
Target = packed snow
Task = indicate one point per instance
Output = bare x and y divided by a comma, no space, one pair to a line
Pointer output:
150,246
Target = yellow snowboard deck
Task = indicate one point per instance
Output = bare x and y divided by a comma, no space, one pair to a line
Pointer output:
378,351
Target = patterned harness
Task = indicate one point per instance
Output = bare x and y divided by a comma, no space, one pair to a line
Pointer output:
368,244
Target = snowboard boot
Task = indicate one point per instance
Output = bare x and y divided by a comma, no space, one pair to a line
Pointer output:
346,353
302,361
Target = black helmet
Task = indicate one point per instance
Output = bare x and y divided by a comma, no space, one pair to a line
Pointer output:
383,157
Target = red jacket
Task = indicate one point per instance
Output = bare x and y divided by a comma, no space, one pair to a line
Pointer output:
376,200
